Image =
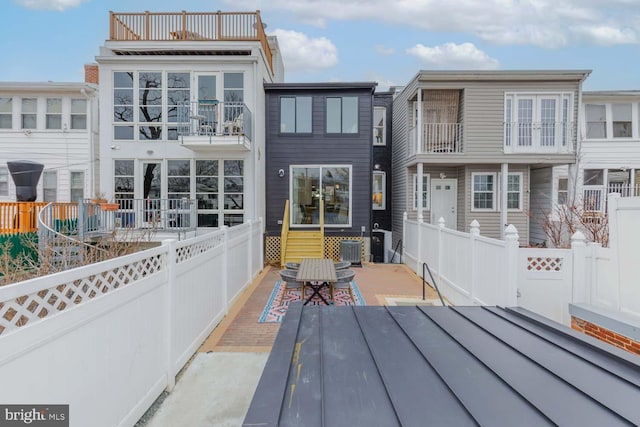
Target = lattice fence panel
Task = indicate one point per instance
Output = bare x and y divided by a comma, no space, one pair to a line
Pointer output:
332,246
544,264
185,253
33,308
272,250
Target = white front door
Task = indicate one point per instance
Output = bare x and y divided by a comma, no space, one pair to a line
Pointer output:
444,202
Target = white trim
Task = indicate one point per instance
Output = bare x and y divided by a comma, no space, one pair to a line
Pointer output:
521,200
426,187
495,192
383,190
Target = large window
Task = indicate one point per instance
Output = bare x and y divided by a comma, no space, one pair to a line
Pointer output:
342,115
123,105
295,114
123,173
207,192
425,191
4,181
596,119
6,110
53,119
379,120
483,191
233,97
177,93
233,192
621,120
77,186
50,186
78,114
150,105
311,183
178,179
379,194
29,113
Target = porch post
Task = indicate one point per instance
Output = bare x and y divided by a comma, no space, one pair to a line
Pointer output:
504,178
632,182
419,133
420,191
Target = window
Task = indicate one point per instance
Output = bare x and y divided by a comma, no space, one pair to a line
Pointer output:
621,118
379,120
49,186
295,114
309,184
233,96
123,105
150,105
207,192
483,191
563,191
54,113
77,186
6,110
342,115
514,191
596,121
179,179
233,192
378,198
593,177
29,113
123,182
425,191
4,181
177,93
78,114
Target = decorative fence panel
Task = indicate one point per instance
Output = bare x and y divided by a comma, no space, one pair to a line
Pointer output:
455,271
108,338
490,275
411,243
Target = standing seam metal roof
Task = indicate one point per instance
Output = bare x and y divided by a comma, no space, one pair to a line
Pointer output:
417,366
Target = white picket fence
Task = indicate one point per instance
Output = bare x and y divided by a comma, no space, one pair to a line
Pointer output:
108,338
474,270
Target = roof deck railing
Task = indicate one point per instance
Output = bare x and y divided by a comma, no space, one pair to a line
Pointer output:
189,26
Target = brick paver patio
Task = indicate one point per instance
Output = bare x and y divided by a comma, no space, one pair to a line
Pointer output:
240,330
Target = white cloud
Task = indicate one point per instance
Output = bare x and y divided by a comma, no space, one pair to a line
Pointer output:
543,23
58,5
300,52
384,50
451,55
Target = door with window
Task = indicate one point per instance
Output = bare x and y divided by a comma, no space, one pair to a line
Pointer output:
207,101
151,193
444,202
537,123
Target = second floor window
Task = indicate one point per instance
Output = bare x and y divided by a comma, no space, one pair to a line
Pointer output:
78,114
54,113
621,120
596,119
49,186
342,115
4,181
295,114
6,107
29,113
379,119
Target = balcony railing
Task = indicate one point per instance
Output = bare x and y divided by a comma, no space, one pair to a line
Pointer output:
190,26
594,197
213,118
538,137
158,214
19,217
437,138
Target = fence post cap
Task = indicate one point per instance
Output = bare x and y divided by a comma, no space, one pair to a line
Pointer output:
474,227
511,232
441,222
578,238
404,215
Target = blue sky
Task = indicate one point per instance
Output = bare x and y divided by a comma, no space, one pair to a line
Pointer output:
386,41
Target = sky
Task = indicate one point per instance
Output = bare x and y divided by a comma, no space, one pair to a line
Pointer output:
387,41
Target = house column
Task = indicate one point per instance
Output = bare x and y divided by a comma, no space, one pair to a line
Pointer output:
504,182
420,191
419,133
632,182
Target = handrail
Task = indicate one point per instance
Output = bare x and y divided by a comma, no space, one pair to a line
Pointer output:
433,280
395,251
284,232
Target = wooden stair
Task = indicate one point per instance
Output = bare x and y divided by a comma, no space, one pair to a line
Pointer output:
304,244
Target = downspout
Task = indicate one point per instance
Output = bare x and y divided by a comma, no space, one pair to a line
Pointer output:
92,157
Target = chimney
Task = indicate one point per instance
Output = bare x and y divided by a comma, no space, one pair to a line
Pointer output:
91,73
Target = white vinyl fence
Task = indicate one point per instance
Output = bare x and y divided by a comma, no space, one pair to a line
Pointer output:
108,338
474,270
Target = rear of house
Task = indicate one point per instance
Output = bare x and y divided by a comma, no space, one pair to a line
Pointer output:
474,145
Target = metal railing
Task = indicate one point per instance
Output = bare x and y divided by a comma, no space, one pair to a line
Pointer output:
213,118
189,26
437,138
433,280
176,215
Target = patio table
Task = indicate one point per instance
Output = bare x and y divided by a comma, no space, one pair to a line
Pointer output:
318,273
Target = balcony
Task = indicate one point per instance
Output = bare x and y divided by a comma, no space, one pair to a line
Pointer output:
208,124
538,137
201,27
437,138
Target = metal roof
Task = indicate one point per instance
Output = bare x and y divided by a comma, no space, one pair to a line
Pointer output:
441,366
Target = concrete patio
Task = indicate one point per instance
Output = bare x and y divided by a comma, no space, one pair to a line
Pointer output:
216,388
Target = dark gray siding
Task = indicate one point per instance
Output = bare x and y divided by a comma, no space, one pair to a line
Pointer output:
318,148
382,157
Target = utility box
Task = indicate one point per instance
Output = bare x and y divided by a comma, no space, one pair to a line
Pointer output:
380,245
350,250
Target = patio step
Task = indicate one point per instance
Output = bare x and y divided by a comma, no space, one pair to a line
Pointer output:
304,244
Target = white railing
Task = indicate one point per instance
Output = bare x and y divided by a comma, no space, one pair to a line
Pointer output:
472,269
594,197
108,338
213,118
538,137
442,138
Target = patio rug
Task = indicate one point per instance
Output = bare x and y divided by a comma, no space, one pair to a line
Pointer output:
274,311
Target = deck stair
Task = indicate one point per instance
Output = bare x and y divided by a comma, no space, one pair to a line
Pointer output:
298,244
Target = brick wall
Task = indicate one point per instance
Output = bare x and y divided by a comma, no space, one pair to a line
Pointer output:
605,335
91,73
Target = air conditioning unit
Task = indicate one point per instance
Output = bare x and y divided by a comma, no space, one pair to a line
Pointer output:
350,250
